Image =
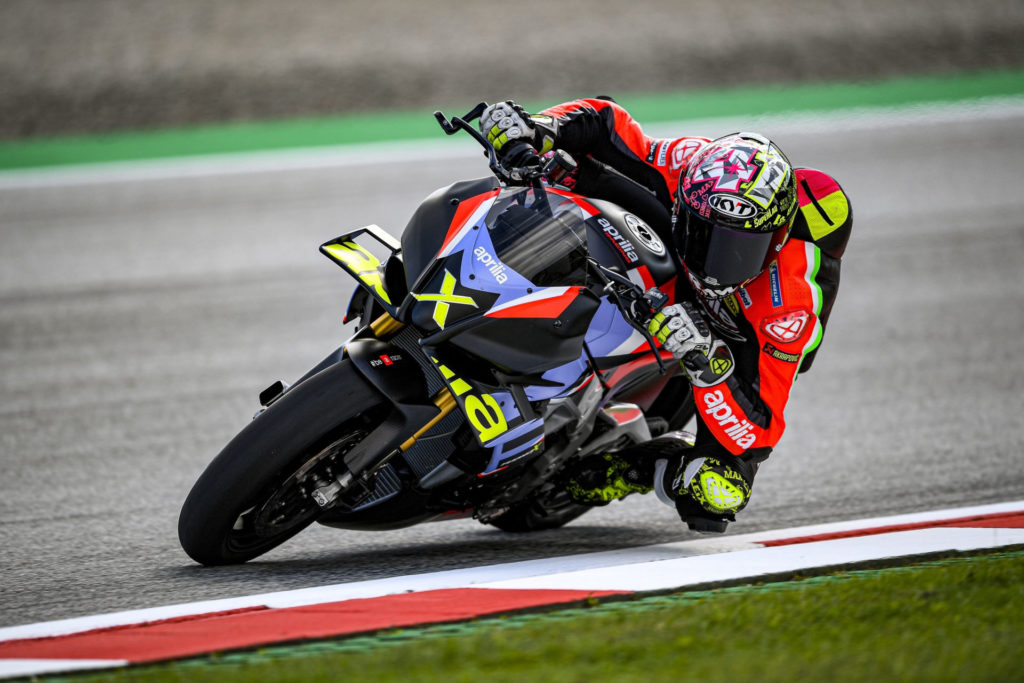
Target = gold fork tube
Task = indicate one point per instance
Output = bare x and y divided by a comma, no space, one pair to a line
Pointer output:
385,326
445,402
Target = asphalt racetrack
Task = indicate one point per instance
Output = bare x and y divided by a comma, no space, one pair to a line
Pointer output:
139,319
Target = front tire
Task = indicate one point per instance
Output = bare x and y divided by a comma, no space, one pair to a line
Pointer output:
255,494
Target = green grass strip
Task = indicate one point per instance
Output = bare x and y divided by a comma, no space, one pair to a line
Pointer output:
957,619
415,125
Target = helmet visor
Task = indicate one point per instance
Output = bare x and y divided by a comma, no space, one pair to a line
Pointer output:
725,256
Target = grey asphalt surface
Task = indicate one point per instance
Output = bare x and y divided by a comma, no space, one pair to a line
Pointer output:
139,321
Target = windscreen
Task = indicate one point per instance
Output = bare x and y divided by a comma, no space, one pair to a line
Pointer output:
543,239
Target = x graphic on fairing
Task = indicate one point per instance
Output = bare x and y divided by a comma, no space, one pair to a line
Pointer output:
445,298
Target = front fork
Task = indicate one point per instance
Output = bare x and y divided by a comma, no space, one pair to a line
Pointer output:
401,380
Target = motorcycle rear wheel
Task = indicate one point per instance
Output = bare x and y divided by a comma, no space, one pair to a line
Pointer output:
255,494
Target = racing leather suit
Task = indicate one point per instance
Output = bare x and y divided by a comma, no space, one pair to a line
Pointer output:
774,324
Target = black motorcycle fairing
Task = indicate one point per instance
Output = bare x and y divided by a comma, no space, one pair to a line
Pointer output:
525,346
398,377
426,230
390,369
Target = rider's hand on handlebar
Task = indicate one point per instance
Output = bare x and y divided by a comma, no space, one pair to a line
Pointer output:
681,330
505,122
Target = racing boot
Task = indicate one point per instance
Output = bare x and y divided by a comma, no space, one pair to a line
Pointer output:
598,480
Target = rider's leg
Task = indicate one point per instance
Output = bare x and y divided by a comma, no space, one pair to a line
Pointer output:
600,479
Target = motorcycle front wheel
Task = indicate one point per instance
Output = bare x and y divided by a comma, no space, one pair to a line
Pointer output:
257,493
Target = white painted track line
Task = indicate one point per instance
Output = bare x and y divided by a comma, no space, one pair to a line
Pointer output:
667,575
697,560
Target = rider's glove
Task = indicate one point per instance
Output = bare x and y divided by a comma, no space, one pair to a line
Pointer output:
709,491
681,330
506,122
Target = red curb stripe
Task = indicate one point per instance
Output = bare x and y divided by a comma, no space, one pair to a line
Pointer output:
1011,521
1004,520
176,638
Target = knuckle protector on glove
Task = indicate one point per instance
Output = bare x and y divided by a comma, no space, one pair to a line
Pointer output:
503,122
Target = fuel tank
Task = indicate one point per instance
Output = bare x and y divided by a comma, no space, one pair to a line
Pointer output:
618,237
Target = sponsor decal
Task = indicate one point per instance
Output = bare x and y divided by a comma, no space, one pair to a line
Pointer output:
759,221
770,349
717,409
624,245
495,267
776,284
663,152
731,205
720,366
651,152
730,303
744,297
644,234
385,360
786,327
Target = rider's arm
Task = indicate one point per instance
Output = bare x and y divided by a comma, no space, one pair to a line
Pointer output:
605,131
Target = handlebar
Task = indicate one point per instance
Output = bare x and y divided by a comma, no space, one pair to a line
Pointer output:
637,306
521,166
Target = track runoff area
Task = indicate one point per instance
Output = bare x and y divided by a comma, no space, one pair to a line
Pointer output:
353,609
122,639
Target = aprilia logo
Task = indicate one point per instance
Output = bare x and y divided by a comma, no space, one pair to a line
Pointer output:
625,246
737,430
493,265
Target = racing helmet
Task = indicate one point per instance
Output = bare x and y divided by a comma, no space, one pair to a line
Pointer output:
733,211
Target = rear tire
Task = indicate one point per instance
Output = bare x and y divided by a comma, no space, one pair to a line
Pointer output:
254,495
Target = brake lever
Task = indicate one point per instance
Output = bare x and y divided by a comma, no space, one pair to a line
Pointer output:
653,298
525,168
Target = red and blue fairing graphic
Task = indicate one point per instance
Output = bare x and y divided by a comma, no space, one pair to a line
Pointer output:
509,285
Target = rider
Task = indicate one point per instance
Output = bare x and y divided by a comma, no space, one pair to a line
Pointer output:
760,243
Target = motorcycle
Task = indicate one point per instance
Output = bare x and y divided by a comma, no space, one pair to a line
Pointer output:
501,339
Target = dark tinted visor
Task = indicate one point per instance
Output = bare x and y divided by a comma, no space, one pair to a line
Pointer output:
726,256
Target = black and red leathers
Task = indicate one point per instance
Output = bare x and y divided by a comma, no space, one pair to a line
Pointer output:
773,325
